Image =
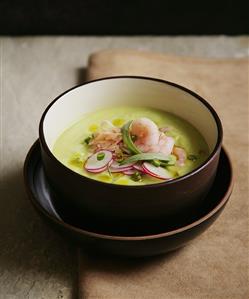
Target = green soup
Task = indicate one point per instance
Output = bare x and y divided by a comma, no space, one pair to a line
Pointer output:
72,150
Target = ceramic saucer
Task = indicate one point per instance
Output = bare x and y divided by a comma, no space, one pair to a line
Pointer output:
161,237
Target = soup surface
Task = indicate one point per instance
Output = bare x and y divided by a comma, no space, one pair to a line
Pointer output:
131,146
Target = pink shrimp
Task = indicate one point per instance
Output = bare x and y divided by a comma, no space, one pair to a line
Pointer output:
146,132
180,154
149,138
166,144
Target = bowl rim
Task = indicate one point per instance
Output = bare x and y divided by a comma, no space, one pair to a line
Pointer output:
119,186
33,198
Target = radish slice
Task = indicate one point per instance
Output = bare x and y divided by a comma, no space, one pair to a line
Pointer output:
116,167
119,170
129,172
100,169
138,167
93,164
157,172
97,170
115,164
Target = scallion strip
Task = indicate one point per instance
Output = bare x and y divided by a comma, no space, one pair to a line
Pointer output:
148,157
100,156
127,139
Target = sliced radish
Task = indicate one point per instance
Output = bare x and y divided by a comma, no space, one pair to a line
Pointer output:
116,164
93,164
100,169
119,170
116,167
130,171
138,167
157,172
97,170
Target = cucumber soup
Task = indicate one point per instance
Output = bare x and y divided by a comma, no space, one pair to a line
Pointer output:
131,146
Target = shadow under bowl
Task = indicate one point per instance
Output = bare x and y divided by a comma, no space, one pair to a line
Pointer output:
159,238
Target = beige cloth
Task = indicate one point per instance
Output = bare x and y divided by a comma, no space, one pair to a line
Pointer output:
215,265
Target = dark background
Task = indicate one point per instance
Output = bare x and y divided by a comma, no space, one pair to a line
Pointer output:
109,17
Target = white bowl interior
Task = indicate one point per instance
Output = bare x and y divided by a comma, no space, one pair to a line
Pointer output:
127,91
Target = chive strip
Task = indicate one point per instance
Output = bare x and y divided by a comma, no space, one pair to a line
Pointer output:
88,139
100,156
127,139
148,157
171,162
156,163
136,177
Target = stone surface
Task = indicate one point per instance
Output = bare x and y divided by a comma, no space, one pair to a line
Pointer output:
34,261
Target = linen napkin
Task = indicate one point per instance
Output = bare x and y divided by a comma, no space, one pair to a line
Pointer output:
215,265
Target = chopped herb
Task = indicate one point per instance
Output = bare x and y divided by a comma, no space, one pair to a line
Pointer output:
100,156
192,157
163,164
171,162
133,138
88,139
119,157
136,176
156,163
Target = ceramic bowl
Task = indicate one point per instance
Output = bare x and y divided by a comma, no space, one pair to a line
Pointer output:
110,202
159,238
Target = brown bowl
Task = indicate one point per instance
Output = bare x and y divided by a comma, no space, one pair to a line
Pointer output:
92,236
110,202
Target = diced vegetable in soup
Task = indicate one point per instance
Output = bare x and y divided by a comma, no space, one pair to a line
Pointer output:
131,146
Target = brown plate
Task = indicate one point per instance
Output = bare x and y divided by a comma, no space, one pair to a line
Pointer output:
157,238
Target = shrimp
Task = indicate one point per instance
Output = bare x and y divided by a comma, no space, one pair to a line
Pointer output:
166,144
149,138
146,132
180,154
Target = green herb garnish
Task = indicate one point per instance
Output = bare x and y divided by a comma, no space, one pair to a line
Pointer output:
148,157
156,163
109,172
133,138
119,157
136,176
171,162
192,157
100,156
88,139
127,139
